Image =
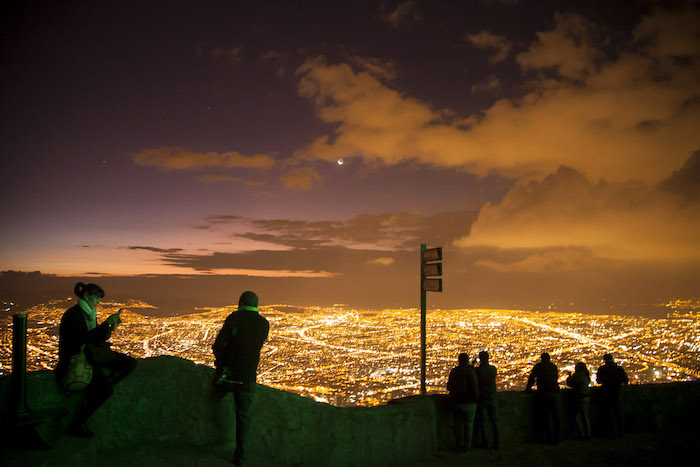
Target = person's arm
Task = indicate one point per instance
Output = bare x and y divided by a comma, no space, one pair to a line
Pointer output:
221,341
623,376
100,334
531,379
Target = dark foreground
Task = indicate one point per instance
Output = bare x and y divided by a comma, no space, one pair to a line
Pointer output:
644,449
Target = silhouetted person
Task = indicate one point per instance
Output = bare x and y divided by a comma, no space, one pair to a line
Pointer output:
611,376
579,383
488,402
463,388
237,352
547,399
80,332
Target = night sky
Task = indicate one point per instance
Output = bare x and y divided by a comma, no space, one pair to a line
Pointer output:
307,149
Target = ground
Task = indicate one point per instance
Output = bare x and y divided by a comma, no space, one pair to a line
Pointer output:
633,450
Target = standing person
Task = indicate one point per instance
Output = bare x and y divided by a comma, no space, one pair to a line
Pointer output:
79,332
464,393
547,399
488,403
579,383
237,352
611,377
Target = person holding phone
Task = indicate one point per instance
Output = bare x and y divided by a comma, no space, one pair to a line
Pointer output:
79,332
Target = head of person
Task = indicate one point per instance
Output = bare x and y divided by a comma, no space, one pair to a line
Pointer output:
545,357
463,359
248,298
608,358
581,368
91,293
484,356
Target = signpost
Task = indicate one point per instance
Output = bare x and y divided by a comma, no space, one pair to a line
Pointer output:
430,281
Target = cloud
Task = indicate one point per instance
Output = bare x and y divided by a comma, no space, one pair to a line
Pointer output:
382,261
620,221
618,117
488,40
167,158
573,48
403,13
381,69
492,85
219,178
544,260
301,178
390,231
155,249
685,181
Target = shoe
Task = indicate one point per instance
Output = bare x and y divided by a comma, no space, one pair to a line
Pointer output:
81,431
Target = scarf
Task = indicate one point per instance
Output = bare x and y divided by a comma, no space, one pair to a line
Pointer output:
89,313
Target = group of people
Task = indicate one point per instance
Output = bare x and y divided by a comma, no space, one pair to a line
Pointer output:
545,375
472,390
82,341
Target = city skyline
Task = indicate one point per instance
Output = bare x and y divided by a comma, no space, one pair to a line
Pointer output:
180,153
347,356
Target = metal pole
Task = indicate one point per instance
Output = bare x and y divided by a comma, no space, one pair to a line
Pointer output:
18,403
422,324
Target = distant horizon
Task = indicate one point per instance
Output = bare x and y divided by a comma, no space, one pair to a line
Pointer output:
166,292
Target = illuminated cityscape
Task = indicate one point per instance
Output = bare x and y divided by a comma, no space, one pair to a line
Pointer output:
345,356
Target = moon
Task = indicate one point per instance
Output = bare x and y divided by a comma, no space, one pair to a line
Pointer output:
340,161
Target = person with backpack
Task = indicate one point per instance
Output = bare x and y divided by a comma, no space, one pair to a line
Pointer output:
463,387
237,353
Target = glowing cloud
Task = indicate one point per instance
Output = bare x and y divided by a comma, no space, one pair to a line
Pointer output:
616,221
167,158
488,40
619,118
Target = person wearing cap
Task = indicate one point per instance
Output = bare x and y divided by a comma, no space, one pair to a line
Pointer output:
237,355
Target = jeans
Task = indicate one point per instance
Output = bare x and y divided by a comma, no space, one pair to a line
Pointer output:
464,424
483,411
243,398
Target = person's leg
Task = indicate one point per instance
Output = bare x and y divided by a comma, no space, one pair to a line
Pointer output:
469,413
556,417
120,367
96,393
480,438
585,403
243,397
493,416
459,426
617,416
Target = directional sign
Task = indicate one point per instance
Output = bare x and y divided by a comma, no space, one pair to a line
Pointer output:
432,269
432,285
433,254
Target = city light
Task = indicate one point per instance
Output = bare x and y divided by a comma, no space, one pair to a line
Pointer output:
346,356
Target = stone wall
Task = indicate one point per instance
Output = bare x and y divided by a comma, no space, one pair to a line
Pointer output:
671,407
166,401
